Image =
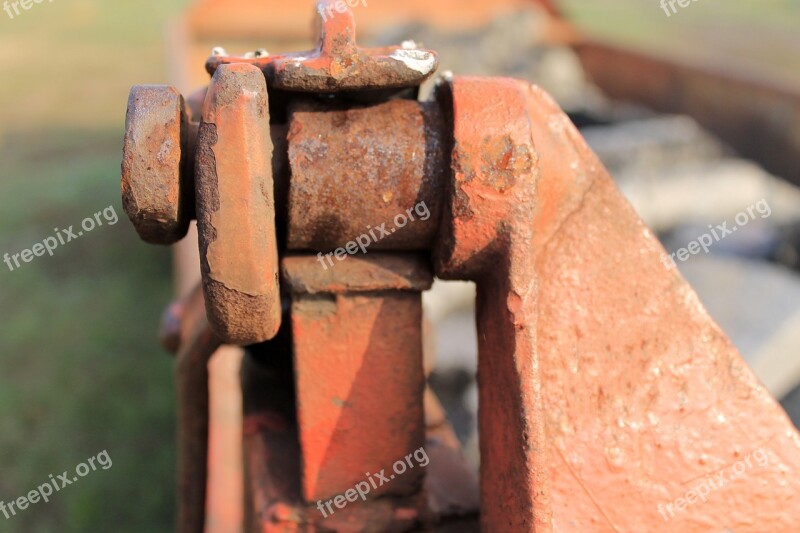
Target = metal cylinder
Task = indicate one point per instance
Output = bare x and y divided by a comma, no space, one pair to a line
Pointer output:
366,177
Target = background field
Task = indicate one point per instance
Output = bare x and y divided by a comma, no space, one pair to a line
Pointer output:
80,369
758,35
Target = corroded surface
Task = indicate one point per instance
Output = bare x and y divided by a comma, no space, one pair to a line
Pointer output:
359,387
338,63
235,208
355,171
197,343
156,192
486,237
607,392
374,272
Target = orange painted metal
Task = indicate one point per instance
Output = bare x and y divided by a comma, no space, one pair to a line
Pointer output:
329,403
357,330
607,393
653,397
487,235
235,208
195,345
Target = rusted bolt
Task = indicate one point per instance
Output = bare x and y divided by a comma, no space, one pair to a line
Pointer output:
156,192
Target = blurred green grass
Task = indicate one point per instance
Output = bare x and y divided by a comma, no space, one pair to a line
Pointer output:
80,368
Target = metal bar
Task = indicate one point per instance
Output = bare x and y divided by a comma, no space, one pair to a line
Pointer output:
198,344
360,381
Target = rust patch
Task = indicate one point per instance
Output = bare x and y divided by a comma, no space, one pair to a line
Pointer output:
338,63
379,271
386,159
156,191
503,161
235,208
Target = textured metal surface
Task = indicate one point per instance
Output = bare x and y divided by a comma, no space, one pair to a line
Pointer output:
356,405
606,391
235,208
359,389
197,344
156,191
375,272
355,170
658,401
338,63
486,237
601,376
